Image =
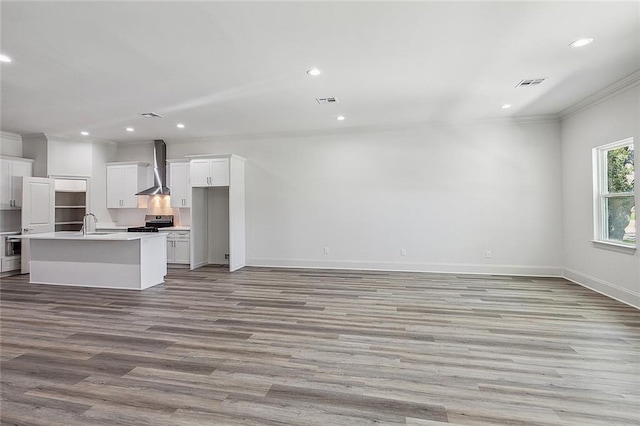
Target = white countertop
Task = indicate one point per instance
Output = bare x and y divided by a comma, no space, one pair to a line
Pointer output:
77,236
12,232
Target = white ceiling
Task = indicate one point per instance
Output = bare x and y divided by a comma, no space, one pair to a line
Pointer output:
239,68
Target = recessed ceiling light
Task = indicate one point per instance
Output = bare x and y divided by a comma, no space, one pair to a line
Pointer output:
581,42
84,133
130,129
180,126
314,72
5,58
506,106
340,117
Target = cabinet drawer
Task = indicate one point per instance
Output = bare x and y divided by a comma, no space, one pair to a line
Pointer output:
10,263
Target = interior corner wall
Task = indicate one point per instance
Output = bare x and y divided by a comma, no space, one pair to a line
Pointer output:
609,271
476,198
101,154
35,146
10,144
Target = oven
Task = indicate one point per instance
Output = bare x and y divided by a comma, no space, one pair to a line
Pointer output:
12,246
153,222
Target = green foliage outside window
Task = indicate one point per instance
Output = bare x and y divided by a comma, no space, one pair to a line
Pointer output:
620,179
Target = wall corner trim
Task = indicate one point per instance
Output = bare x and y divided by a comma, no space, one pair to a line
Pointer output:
602,95
613,291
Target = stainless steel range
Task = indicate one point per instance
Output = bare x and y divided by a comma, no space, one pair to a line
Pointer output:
153,222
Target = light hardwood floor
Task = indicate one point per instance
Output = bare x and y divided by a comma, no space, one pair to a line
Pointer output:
302,347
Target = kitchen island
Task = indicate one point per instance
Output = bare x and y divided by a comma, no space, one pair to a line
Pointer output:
105,260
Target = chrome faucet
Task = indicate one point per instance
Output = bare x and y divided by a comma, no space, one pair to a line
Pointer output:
85,225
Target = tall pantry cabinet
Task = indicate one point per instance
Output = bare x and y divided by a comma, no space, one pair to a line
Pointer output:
217,210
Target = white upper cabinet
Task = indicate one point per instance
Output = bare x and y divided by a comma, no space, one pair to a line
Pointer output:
124,180
12,170
210,172
179,184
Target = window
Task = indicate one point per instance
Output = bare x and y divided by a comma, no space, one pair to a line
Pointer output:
614,200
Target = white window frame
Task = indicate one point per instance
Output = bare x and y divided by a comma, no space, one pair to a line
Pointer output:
601,194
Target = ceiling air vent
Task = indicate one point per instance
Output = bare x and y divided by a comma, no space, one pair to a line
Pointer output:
325,101
151,115
530,82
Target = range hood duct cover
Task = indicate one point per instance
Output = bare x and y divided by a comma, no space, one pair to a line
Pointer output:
159,170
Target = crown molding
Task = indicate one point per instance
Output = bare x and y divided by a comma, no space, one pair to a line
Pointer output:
602,95
9,135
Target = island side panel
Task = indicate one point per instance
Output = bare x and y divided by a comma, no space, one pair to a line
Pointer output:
105,264
153,261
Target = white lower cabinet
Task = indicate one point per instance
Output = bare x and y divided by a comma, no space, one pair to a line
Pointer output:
10,263
178,247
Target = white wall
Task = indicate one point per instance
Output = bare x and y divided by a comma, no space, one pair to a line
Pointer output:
100,155
611,272
70,158
10,144
137,152
36,147
445,193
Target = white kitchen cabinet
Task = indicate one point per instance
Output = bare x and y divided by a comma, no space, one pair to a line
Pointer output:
179,183
209,172
178,247
124,180
12,170
9,254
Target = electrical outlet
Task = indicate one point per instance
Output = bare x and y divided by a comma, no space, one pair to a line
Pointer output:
489,255
226,256
403,252
326,250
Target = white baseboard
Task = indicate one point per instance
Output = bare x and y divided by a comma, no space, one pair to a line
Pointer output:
447,268
200,264
603,287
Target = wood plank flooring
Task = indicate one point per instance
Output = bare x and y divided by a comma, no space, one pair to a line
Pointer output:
311,347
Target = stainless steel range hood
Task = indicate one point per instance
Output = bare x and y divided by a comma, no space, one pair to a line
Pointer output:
159,170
